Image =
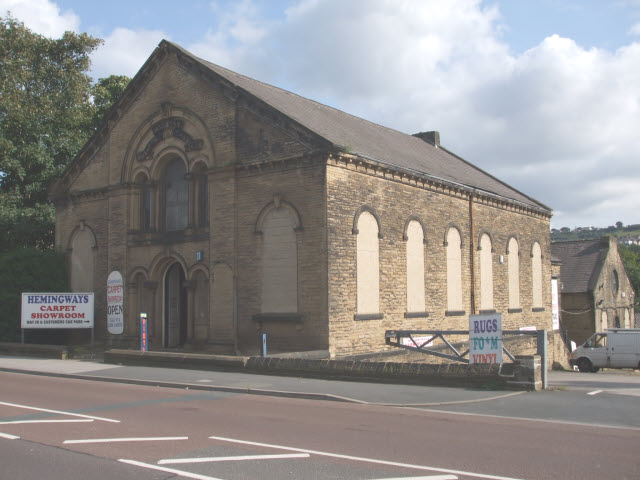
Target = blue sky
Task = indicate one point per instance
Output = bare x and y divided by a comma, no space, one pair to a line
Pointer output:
543,94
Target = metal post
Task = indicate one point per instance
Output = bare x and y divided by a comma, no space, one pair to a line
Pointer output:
264,345
22,335
541,340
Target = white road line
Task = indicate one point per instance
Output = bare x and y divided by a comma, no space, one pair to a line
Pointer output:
595,392
363,459
430,477
8,437
131,439
237,458
59,412
181,473
78,420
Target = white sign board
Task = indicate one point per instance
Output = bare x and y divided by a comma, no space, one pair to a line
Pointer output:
57,310
555,309
419,341
485,338
115,303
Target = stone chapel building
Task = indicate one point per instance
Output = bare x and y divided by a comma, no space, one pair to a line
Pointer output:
233,208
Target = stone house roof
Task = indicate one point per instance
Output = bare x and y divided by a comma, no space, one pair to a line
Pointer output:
349,134
582,262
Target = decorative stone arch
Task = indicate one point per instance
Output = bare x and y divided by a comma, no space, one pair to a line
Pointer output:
168,127
414,218
451,225
136,272
165,157
277,203
514,236
162,261
198,267
372,211
486,231
535,240
141,172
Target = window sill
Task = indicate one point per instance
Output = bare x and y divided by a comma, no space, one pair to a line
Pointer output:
486,312
454,313
514,310
416,314
278,317
537,309
368,316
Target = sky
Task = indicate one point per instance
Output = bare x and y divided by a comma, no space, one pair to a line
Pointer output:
543,94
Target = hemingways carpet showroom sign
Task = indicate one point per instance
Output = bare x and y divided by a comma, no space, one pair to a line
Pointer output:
115,303
485,338
57,310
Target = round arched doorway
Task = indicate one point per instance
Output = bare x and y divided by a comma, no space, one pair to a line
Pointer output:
175,307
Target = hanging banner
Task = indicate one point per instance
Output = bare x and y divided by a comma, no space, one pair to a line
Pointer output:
144,333
485,338
115,303
57,310
555,309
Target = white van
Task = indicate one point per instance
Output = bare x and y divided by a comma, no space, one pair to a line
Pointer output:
613,348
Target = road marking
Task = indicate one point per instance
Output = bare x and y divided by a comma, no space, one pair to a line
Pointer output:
68,420
595,392
180,473
8,437
59,412
237,458
131,439
430,477
363,459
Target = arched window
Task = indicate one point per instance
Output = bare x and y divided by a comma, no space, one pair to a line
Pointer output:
536,275
176,196
144,214
486,273
415,267
279,261
202,196
367,265
454,271
82,260
514,274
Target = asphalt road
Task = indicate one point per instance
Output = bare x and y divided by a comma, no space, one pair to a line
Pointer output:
60,428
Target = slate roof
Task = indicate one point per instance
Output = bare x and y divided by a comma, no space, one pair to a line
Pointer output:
582,262
369,140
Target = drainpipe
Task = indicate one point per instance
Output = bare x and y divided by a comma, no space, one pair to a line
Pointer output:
471,255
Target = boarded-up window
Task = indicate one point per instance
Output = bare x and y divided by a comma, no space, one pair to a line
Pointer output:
605,321
486,273
176,197
368,265
627,318
514,274
536,269
454,270
415,267
279,262
82,261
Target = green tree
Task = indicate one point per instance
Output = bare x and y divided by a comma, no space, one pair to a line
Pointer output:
46,115
105,92
630,255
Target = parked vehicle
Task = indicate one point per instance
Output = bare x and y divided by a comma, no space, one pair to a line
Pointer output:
613,348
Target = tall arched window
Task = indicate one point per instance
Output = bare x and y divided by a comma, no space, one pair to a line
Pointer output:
514,274
367,265
176,196
415,267
454,271
536,275
279,261
82,260
486,273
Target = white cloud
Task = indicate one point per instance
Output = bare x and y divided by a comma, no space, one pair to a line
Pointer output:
558,122
635,30
124,52
41,16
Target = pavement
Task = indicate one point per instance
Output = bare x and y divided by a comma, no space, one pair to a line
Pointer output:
257,384
621,382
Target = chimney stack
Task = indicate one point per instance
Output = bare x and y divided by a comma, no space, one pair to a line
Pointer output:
431,137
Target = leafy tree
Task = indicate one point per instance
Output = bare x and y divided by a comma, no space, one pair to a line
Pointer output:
48,110
26,270
630,255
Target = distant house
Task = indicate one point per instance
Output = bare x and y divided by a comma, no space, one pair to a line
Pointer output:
595,289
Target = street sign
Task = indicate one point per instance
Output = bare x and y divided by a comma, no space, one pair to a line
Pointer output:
144,333
57,310
485,338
